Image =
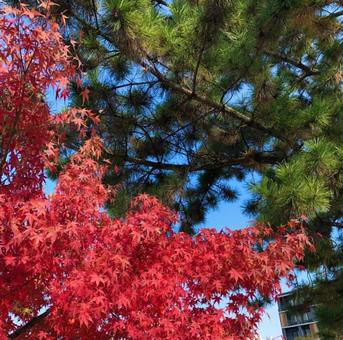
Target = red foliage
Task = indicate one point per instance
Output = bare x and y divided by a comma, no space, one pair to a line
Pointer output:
89,276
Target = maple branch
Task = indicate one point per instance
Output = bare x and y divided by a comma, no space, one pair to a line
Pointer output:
5,149
29,324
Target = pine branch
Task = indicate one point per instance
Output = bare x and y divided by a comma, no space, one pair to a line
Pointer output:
197,68
156,165
247,160
131,84
337,224
209,102
161,3
299,65
95,14
29,325
335,14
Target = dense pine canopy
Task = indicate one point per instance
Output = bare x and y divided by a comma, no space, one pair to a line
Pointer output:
194,94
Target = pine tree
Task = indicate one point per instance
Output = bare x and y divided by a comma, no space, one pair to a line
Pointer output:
193,94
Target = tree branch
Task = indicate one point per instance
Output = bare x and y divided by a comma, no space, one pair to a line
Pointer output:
29,325
299,65
337,224
95,14
197,68
248,160
161,3
209,102
131,84
335,14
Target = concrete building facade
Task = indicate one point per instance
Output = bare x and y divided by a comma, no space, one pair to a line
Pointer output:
294,324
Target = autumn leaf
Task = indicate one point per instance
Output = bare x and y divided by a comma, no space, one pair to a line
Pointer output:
236,275
85,95
10,260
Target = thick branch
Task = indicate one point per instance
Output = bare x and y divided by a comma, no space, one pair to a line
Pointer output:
157,165
29,325
247,160
299,65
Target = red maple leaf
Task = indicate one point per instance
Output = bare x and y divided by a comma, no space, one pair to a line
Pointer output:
85,95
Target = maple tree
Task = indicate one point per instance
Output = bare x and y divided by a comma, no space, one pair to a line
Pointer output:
67,269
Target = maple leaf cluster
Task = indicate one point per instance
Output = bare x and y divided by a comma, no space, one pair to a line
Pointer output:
33,59
68,270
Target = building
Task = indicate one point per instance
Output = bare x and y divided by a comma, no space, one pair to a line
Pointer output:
294,324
